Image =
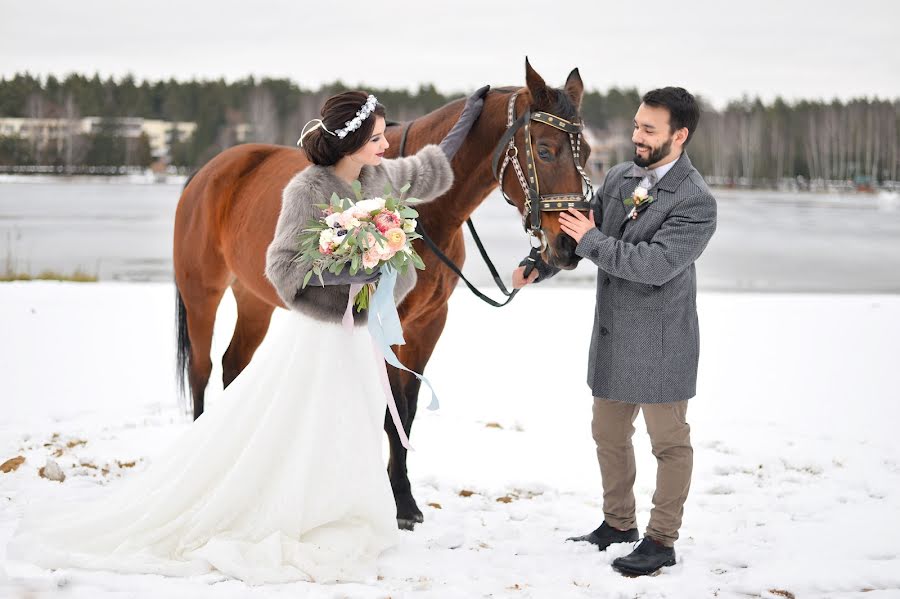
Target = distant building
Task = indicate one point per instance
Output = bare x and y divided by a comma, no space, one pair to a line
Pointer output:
161,134
41,130
607,150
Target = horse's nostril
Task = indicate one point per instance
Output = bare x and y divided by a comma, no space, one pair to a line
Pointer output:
563,252
565,245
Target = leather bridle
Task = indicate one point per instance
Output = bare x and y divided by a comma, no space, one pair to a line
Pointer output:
531,218
507,153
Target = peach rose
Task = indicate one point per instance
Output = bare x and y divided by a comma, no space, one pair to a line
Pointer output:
396,239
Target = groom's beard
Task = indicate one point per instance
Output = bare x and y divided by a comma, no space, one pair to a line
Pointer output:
654,156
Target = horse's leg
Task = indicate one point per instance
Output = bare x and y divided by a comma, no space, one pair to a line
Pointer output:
253,316
201,303
408,513
415,355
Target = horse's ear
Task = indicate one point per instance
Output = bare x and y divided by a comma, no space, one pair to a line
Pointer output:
536,86
575,88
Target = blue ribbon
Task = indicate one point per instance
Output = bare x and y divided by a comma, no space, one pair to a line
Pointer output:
384,325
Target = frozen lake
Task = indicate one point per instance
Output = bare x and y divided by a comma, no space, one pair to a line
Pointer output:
766,241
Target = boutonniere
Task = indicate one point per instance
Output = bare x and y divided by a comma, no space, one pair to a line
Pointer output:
639,200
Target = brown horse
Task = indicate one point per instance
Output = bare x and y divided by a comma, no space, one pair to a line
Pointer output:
228,210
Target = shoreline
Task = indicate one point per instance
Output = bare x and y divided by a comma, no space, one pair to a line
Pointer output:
549,286
150,178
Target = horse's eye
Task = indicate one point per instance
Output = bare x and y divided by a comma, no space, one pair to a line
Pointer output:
544,153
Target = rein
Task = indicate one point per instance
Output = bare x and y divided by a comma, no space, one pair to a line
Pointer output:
481,249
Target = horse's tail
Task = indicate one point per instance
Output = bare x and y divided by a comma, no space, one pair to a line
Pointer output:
183,349
183,342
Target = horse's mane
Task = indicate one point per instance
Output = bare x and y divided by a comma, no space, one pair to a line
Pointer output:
560,104
563,106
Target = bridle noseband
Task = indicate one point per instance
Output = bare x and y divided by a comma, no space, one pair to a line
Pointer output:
507,153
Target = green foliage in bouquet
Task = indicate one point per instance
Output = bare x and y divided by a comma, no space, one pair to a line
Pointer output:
362,235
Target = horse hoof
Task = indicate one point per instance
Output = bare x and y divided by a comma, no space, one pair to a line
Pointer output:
419,517
406,523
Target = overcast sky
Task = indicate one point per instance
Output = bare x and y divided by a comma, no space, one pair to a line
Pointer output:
719,49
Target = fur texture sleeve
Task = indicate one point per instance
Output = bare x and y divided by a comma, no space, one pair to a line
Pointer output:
285,274
427,171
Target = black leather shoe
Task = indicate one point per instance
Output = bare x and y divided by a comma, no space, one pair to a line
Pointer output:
606,535
648,558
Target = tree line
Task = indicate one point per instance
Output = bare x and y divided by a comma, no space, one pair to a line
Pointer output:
748,142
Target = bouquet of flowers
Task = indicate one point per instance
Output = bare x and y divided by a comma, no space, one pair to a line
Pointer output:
366,234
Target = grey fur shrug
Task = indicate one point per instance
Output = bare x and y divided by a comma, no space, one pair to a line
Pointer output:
429,174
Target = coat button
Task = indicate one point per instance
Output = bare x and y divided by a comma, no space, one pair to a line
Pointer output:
606,281
595,254
604,331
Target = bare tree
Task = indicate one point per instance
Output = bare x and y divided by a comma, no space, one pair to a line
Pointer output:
73,148
262,116
35,109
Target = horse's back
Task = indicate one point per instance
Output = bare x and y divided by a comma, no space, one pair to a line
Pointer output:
229,209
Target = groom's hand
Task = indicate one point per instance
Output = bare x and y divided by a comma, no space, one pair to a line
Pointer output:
519,280
575,224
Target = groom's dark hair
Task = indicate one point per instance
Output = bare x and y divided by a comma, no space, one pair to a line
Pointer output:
684,111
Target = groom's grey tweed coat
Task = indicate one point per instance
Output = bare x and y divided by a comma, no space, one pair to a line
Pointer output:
429,174
645,345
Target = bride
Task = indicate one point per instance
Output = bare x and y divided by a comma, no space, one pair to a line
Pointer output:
282,479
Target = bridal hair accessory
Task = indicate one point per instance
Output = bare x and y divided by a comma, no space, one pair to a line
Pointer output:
361,115
349,127
304,132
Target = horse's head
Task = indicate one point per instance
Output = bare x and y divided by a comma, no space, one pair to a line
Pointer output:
550,152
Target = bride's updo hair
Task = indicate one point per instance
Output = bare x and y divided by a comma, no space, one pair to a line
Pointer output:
325,149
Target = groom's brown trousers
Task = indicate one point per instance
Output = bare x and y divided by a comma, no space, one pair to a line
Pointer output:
670,438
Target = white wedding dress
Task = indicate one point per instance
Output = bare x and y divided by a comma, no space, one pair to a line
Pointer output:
282,479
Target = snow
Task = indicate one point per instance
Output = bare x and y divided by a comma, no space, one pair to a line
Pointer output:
796,485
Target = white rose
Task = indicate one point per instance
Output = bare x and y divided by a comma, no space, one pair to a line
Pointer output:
409,225
370,205
640,193
325,238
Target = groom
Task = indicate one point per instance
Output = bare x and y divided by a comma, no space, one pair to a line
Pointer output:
650,221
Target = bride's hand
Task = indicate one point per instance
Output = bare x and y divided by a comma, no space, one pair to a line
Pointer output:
454,138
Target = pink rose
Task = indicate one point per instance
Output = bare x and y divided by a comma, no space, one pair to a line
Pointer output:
371,257
387,220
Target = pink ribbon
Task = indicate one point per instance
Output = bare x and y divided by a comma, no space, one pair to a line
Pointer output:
392,405
347,321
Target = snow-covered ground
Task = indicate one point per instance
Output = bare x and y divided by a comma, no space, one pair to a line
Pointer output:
796,489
